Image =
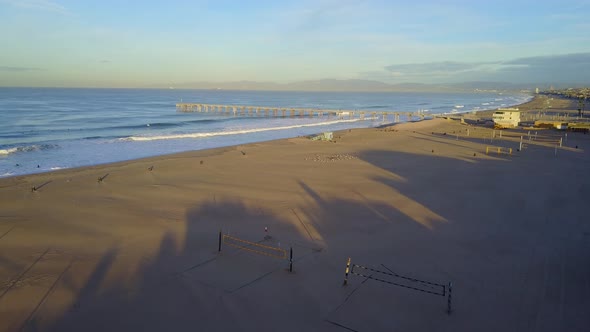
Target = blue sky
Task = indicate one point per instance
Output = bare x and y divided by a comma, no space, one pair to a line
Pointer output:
141,43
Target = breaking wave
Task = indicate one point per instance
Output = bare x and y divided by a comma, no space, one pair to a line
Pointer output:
28,148
235,132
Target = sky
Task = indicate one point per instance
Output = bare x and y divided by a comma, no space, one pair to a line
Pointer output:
77,43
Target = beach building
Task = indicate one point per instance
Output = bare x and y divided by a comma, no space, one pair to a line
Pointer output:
506,118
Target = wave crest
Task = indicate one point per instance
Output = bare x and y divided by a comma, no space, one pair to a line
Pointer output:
234,132
27,148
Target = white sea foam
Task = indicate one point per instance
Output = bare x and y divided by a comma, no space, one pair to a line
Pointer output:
28,148
235,132
8,151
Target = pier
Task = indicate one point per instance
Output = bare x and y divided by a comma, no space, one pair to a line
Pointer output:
266,111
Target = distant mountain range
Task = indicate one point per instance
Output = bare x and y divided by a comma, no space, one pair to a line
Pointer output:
360,86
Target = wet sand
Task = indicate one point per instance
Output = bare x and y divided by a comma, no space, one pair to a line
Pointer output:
138,251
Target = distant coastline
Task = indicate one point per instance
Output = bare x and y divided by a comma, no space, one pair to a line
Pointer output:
330,85
354,85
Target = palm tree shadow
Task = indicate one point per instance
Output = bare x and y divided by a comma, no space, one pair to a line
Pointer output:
185,284
188,284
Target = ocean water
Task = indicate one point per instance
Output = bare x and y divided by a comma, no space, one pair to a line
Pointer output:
43,129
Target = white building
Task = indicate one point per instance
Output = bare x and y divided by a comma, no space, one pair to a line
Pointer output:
506,118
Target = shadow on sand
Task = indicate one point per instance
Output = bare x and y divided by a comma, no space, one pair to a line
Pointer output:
436,221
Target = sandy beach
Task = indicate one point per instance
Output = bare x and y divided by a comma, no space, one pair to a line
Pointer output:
137,250
543,103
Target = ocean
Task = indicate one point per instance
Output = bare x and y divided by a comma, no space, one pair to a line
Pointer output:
44,129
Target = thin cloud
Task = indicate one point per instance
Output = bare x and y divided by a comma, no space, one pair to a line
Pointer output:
445,67
18,69
575,59
42,5
566,68
574,68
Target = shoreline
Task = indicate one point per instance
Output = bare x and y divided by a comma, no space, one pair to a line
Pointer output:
537,103
433,116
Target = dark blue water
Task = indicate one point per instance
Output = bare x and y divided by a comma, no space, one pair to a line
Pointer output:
63,128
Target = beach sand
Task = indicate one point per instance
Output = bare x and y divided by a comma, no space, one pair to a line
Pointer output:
138,251
545,104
